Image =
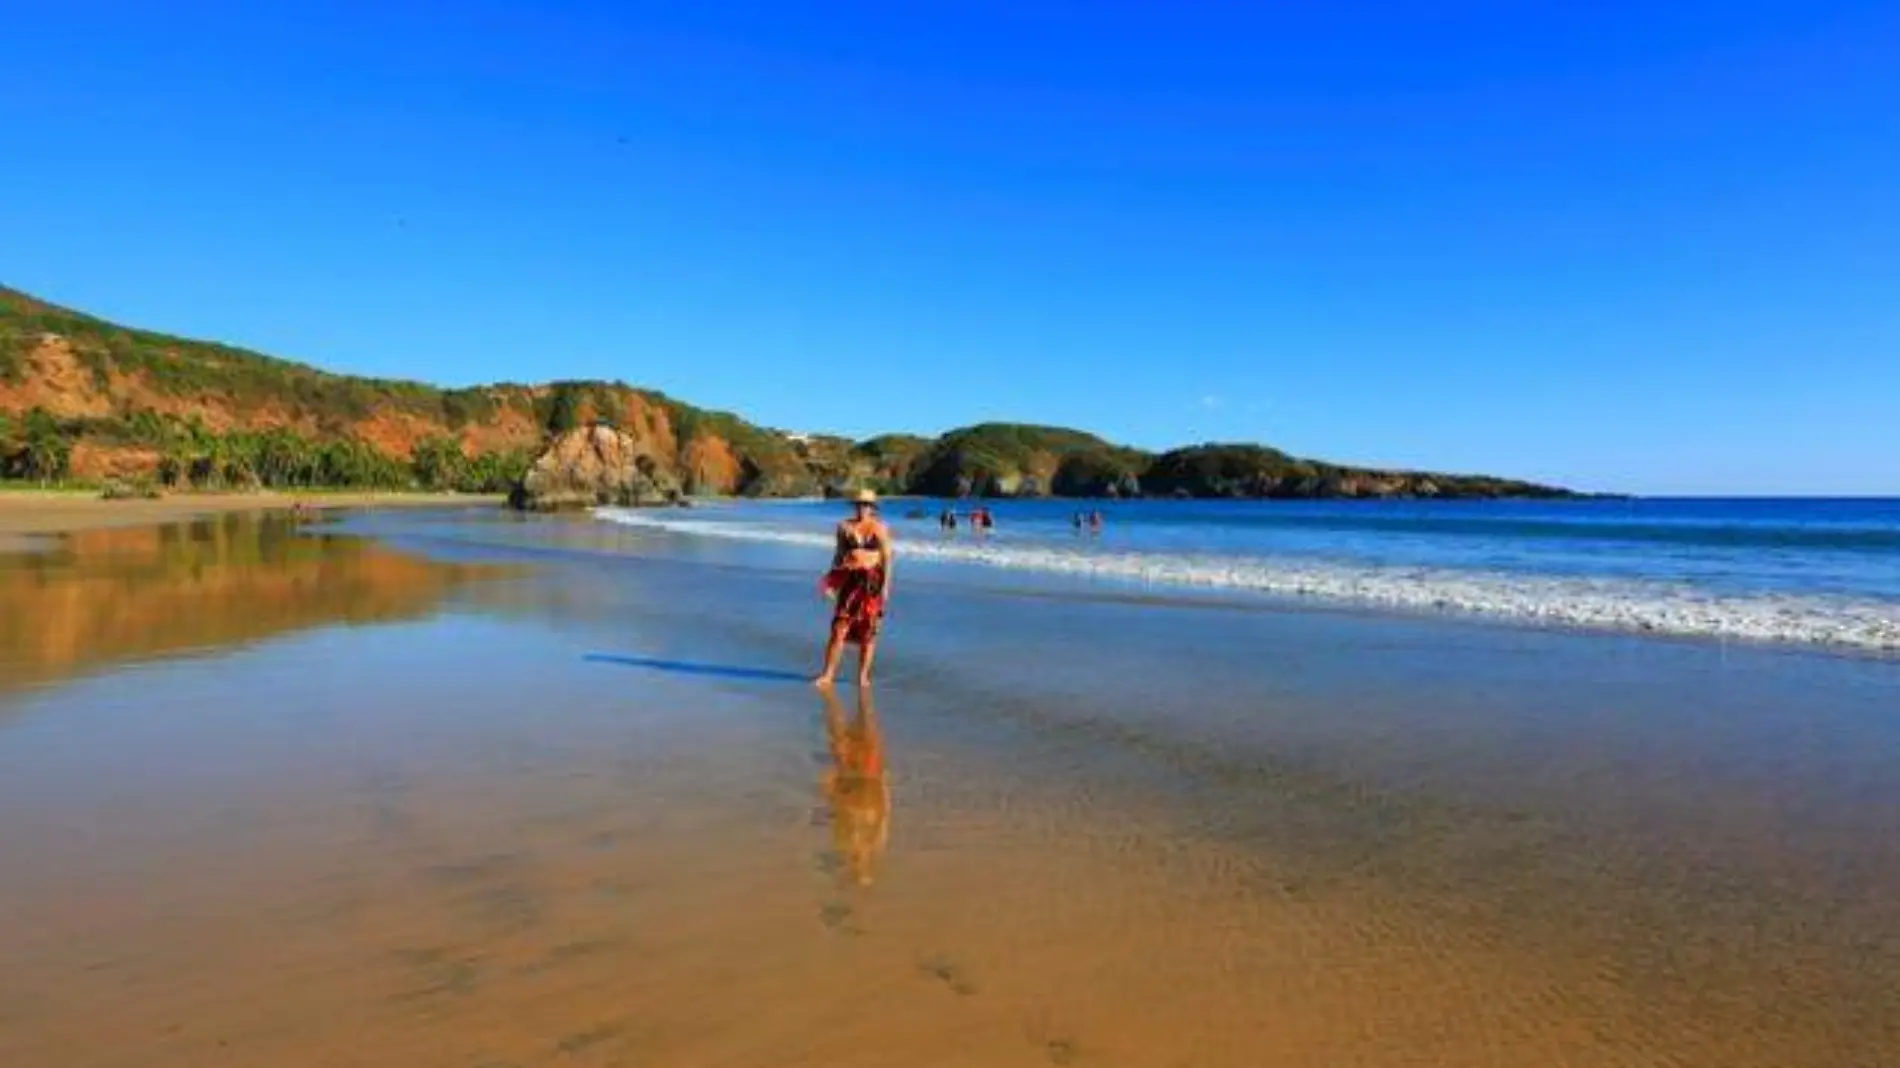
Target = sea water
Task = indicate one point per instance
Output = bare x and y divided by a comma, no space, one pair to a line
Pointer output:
1806,571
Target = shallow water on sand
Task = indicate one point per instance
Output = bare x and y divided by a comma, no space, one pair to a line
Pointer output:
275,799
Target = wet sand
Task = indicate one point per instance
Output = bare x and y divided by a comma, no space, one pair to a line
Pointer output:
24,513
505,821
95,597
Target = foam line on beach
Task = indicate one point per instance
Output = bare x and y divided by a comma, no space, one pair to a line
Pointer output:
1651,607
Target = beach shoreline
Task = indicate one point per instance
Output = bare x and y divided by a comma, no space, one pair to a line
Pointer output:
1837,619
27,514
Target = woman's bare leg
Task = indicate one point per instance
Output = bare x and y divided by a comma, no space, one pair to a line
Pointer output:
834,652
866,654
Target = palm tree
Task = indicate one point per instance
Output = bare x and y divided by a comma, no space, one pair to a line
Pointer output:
47,450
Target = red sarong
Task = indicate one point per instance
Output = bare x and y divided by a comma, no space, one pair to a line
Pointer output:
860,600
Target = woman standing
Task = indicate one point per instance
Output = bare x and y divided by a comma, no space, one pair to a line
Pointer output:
858,583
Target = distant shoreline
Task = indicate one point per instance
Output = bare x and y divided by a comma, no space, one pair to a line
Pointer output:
27,512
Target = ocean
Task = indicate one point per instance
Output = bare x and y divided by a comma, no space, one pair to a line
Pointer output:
1812,572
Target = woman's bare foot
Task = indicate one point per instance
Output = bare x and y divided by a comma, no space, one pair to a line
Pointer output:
823,682
864,679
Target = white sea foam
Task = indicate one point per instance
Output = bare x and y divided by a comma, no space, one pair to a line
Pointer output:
1654,607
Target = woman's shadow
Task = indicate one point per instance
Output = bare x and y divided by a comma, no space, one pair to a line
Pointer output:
856,787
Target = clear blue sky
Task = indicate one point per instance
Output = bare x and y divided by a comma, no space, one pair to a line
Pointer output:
1652,247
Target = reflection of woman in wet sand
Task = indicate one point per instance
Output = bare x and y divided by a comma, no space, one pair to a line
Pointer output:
857,786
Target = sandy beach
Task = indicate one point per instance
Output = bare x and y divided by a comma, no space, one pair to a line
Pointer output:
381,804
24,511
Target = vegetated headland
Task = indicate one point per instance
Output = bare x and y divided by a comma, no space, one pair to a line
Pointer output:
89,400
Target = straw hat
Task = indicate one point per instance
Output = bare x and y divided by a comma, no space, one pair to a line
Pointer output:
865,496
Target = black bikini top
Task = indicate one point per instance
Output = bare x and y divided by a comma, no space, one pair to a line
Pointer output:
860,540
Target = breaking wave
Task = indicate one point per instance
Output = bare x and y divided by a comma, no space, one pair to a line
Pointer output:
1598,603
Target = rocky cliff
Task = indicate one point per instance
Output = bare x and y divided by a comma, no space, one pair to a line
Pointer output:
596,465
82,397
132,403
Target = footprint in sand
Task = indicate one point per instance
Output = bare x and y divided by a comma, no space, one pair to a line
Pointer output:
581,1041
840,917
1059,1051
949,973
438,971
1057,1047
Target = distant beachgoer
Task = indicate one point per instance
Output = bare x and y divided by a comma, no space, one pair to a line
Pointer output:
947,520
859,583
1095,521
1077,520
982,519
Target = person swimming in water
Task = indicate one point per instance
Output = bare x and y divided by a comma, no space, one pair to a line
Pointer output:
859,584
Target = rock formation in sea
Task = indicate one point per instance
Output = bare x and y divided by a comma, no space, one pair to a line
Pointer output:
596,465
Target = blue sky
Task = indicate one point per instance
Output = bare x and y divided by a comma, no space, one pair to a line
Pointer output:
1650,247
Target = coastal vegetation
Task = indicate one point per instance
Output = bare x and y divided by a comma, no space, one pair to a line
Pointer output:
85,399
1010,459
1243,471
37,449
185,454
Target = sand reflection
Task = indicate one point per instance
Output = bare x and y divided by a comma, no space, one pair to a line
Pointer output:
106,596
856,786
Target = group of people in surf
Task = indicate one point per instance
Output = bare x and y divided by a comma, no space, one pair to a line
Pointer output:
980,518
1090,521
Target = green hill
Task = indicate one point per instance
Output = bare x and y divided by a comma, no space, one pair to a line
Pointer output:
1012,459
84,398
131,403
